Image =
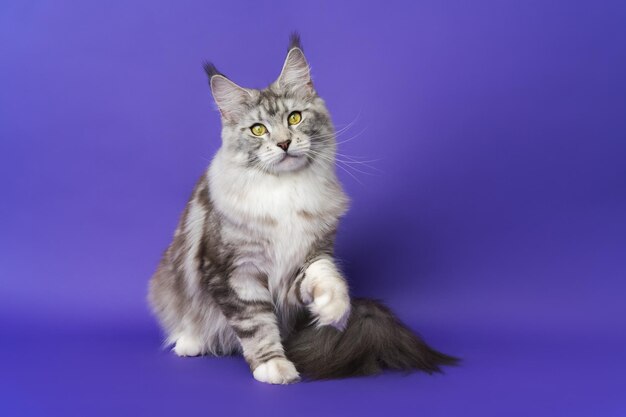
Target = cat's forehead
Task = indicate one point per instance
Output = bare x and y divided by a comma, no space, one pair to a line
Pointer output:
271,103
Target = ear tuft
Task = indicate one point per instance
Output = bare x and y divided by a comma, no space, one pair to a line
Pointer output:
211,70
294,41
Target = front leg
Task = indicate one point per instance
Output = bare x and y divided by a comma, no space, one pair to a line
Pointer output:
324,291
247,304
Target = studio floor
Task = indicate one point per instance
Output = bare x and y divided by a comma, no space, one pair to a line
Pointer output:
118,369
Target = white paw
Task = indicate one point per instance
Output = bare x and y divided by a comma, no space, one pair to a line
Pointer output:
188,346
276,371
325,293
331,303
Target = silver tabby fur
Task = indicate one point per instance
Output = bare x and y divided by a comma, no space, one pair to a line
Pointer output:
260,216
253,251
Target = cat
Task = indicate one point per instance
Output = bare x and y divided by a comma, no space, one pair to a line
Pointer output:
251,269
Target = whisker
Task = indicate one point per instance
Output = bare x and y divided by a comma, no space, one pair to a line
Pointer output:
338,132
342,164
351,160
353,137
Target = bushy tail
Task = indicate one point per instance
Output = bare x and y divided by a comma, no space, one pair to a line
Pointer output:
374,339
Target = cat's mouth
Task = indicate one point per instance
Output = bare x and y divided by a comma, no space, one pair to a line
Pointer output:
290,162
288,156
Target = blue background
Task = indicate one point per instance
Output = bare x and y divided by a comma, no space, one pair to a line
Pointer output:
493,220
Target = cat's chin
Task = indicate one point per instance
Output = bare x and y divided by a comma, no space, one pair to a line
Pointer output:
290,163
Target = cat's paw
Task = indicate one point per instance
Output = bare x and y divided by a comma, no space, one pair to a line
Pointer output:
187,345
331,303
276,371
325,293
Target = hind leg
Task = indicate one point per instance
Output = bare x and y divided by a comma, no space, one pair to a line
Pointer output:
204,331
189,344
173,310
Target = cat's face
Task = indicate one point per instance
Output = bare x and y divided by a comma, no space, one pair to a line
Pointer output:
283,128
277,132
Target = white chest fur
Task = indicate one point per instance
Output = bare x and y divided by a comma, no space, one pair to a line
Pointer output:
287,212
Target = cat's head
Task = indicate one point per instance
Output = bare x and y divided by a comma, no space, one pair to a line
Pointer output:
283,128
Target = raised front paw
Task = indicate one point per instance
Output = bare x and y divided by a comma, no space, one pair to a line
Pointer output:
276,371
325,293
331,303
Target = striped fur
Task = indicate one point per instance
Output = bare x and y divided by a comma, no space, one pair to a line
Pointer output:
253,252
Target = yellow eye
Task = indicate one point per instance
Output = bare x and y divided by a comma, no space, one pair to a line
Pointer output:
294,118
258,129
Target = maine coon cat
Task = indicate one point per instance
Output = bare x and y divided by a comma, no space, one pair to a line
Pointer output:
251,266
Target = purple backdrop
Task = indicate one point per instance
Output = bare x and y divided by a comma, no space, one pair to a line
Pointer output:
496,224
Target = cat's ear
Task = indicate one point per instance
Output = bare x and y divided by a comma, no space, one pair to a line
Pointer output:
229,97
296,74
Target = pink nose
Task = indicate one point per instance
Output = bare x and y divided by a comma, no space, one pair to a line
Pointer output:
284,145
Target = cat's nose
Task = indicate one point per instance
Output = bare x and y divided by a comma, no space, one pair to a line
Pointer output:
284,145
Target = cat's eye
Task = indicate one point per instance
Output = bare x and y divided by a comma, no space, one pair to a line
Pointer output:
258,129
294,118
